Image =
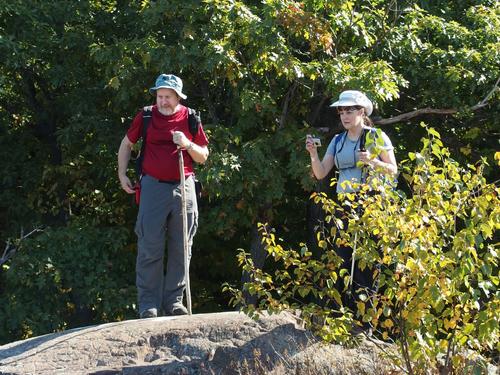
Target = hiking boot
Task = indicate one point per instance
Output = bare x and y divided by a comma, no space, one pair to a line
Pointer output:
149,313
176,310
365,329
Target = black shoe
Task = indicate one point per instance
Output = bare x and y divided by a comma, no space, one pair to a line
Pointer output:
176,310
149,313
365,329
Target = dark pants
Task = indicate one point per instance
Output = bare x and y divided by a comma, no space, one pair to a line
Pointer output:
362,281
160,220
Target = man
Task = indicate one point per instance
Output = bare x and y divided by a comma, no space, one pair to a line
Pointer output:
160,209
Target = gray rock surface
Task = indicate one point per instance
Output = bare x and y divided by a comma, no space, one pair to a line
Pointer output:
220,343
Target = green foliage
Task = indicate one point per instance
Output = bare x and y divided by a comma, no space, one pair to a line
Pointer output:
73,74
67,277
438,264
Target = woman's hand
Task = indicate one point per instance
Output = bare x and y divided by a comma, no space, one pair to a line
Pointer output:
386,164
365,157
320,168
311,146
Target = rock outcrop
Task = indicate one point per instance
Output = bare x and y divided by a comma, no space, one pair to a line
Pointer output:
220,343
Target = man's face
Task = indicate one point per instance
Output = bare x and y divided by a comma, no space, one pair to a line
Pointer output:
167,100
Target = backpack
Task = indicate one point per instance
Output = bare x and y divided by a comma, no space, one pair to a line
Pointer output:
362,141
194,121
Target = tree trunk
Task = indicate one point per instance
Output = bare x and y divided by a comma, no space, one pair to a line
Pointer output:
258,255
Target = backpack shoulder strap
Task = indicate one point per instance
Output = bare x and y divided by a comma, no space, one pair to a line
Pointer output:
337,141
194,121
366,131
147,115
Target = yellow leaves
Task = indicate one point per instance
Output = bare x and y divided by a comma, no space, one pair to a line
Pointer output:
361,307
443,344
388,323
308,25
333,231
435,243
336,296
467,150
401,296
473,252
497,157
443,284
412,291
333,276
433,132
144,4
387,259
304,291
414,266
449,324
411,316
114,83
486,230
436,150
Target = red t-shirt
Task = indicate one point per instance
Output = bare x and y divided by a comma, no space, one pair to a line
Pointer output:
161,160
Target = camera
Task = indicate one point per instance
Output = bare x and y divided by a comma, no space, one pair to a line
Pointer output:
316,141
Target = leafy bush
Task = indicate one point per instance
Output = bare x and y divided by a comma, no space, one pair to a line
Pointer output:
436,258
64,278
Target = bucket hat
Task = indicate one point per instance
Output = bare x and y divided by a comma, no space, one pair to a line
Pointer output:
351,98
168,81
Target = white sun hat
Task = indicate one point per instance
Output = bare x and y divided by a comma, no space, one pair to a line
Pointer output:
352,98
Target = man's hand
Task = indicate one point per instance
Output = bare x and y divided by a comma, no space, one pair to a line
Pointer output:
181,140
123,159
126,184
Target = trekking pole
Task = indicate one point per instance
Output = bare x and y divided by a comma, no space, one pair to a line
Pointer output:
184,229
353,260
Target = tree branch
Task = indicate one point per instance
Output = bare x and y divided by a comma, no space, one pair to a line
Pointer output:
482,103
11,248
444,111
208,100
409,115
317,110
288,99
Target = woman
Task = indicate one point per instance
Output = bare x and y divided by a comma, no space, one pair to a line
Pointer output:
347,152
354,108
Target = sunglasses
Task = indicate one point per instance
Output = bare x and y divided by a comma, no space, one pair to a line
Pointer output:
348,110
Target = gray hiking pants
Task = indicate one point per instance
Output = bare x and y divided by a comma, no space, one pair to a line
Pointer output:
160,215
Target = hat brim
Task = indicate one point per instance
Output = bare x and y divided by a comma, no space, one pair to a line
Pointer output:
344,103
352,103
152,91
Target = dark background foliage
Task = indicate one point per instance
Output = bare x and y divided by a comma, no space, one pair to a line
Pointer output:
73,74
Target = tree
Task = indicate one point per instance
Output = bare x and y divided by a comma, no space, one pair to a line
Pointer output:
262,73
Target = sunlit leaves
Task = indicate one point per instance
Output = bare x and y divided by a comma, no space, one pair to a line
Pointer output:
439,288
73,76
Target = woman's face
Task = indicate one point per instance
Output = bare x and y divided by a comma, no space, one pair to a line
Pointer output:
351,117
